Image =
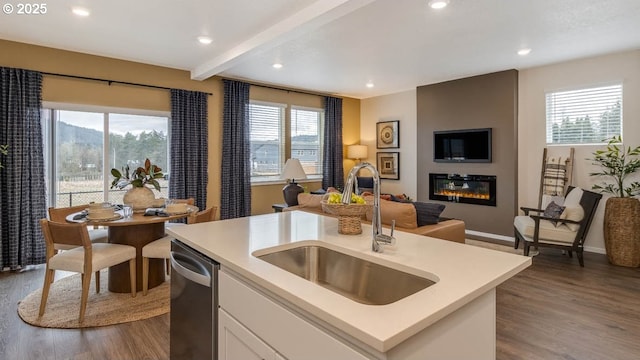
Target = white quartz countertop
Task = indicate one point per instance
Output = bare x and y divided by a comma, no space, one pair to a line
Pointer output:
462,272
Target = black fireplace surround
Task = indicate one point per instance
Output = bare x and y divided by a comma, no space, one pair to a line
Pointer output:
468,189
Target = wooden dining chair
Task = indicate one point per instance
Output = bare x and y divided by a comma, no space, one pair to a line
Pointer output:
188,201
83,257
59,215
161,248
203,216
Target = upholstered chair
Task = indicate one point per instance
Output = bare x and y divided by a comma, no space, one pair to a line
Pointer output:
558,226
161,248
83,257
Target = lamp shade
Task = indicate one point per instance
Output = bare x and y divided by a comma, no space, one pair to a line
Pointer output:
293,170
357,152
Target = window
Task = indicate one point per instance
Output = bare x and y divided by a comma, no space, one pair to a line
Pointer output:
278,132
267,140
585,116
306,139
83,146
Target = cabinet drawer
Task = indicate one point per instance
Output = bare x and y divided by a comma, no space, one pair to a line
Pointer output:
286,332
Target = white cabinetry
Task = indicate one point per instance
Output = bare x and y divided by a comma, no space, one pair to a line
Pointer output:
237,342
252,326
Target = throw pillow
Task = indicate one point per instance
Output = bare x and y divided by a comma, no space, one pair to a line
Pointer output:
400,198
573,197
575,213
553,211
428,213
310,201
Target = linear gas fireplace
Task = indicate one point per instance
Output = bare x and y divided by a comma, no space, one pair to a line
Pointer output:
469,189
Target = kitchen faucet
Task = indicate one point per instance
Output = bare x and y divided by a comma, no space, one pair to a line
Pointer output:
377,237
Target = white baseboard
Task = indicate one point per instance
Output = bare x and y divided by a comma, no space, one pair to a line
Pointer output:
490,236
595,250
592,249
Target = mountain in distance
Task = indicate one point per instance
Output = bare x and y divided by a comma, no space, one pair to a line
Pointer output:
67,133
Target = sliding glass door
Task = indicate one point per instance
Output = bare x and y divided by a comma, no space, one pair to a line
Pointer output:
83,146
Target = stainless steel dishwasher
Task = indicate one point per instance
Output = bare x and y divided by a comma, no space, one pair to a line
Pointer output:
194,304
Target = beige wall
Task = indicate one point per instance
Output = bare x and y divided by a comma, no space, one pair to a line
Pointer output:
351,124
534,83
400,106
72,91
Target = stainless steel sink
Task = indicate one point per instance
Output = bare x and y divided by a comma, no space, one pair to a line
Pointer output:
355,278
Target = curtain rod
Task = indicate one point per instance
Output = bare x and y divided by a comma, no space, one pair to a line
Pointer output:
281,89
109,81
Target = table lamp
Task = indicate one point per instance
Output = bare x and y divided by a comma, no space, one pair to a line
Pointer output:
292,171
357,152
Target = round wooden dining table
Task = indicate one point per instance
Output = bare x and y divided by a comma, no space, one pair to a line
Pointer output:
136,231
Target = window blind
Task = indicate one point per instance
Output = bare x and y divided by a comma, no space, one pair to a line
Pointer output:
267,140
584,116
306,138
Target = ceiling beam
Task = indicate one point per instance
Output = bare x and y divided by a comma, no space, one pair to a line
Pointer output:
308,19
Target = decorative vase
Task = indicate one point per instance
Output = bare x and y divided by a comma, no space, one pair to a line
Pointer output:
140,198
622,231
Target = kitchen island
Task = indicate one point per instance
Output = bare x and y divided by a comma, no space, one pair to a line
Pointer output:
289,317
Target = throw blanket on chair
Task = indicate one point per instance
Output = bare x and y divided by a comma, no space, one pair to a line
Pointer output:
554,177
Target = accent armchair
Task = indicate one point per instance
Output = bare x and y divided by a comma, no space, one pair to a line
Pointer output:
566,230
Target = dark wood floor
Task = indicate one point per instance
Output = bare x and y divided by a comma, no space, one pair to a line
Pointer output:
557,310
552,310
147,339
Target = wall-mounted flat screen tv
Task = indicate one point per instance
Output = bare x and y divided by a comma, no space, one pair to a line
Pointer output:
469,145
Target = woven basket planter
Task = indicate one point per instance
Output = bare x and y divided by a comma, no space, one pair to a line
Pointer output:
349,216
622,231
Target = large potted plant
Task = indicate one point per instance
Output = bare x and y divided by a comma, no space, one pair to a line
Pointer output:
622,209
139,196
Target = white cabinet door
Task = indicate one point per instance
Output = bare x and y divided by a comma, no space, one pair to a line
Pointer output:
235,342
295,338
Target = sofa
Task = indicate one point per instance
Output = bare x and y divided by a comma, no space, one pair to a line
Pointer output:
418,218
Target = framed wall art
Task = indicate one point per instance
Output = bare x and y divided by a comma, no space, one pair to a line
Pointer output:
388,134
389,165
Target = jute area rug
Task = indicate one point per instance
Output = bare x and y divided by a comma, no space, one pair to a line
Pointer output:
104,308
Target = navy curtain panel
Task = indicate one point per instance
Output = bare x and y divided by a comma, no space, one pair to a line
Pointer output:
22,180
235,195
189,146
332,173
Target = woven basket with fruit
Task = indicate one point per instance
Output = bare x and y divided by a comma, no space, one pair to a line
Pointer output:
349,215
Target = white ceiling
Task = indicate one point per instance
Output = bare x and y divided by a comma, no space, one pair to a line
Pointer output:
335,46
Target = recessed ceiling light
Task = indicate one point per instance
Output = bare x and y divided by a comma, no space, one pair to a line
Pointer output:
438,4
277,66
80,11
523,52
370,85
205,40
